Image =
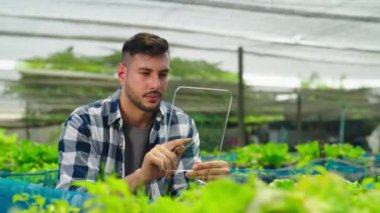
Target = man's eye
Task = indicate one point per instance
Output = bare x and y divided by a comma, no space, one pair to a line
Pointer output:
144,73
163,75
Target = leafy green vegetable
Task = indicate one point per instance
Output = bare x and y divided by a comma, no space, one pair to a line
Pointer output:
308,152
180,69
327,193
343,151
113,195
26,156
270,155
286,184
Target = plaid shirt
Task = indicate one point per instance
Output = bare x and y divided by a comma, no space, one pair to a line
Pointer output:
92,143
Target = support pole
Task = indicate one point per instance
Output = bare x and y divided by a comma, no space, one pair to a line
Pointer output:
242,134
342,124
299,118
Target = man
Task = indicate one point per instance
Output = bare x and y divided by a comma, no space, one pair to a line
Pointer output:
130,133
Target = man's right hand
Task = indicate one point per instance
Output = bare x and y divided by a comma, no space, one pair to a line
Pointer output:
162,159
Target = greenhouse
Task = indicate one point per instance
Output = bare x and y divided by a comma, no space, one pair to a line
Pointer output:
285,93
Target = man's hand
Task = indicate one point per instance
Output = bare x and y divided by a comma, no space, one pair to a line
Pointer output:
209,170
162,159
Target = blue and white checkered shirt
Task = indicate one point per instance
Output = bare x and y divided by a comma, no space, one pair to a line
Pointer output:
92,143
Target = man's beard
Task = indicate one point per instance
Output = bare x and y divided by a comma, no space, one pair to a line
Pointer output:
139,104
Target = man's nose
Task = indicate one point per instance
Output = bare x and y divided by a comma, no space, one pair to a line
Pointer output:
154,82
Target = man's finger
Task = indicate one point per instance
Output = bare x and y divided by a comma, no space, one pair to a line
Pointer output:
171,145
163,163
204,175
172,158
197,162
157,160
169,173
210,165
216,171
208,177
179,150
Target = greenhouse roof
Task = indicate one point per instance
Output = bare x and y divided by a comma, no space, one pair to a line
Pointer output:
285,41
290,40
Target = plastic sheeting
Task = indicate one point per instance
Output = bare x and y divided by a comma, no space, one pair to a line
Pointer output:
283,41
9,188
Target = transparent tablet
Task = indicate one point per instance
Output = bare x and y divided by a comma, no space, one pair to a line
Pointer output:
210,109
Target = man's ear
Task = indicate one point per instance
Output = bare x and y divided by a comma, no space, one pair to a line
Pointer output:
121,71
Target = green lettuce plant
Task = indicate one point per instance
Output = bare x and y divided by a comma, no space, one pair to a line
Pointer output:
270,155
307,152
323,193
26,156
346,151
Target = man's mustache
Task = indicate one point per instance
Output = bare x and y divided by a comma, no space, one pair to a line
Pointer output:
153,93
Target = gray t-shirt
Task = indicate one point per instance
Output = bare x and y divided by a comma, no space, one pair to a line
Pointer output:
136,146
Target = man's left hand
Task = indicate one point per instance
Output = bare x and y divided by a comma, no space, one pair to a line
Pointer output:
209,170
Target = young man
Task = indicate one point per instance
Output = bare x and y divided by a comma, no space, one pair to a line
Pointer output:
128,133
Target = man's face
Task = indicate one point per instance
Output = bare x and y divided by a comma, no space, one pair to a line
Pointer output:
146,80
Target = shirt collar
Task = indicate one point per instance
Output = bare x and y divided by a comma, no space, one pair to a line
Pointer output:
114,108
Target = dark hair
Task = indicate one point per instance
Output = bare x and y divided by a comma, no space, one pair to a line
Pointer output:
145,43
